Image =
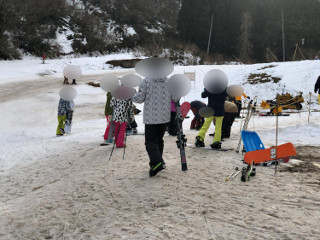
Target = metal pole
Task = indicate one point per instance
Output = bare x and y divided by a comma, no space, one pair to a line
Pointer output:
283,46
277,130
209,40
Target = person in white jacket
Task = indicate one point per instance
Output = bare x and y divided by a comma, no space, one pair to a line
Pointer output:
156,114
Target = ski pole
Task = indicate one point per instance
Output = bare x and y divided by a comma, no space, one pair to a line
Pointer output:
114,143
277,130
245,125
236,174
235,170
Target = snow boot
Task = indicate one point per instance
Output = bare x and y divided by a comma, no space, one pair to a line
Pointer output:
216,145
73,82
155,169
199,142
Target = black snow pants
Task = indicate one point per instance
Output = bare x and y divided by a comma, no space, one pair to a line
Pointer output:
227,124
154,142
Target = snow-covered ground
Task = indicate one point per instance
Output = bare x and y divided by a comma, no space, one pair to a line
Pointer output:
28,128
47,181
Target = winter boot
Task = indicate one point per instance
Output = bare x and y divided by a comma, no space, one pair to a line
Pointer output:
74,82
216,145
155,169
199,142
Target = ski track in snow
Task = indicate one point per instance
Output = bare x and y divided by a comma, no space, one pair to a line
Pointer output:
65,187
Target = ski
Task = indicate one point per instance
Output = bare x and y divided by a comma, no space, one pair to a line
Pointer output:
104,144
213,149
181,142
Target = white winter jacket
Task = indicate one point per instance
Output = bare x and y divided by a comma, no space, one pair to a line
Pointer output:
157,101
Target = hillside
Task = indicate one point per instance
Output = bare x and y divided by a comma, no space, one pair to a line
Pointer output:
61,27
247,31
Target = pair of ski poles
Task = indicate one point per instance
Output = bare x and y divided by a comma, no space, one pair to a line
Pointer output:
246,122
233,174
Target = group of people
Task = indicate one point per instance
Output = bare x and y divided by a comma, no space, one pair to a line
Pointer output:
158,116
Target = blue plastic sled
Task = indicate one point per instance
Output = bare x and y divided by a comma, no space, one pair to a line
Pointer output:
251,141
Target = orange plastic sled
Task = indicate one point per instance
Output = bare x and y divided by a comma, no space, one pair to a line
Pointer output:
269,154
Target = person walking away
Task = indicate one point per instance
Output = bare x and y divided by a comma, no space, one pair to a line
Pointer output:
238,102
122,113
197,121
108,113
65,81
63,108
43,58
317,88
216,102
156,114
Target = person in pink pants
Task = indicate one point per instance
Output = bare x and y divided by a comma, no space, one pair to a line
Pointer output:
122,113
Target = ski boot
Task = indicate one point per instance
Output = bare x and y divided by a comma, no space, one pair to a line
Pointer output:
155,169
216,145
199,142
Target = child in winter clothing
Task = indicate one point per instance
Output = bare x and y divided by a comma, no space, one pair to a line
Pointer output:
172,126
108,113
156,114
215,101
122,113
63,108
132,126
197,121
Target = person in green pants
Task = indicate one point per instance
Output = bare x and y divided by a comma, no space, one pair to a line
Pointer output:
63,108
216,102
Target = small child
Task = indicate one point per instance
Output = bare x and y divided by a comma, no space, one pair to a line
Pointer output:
108,113
122,113
63,109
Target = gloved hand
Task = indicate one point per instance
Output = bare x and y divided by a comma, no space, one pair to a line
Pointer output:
315,91
248,97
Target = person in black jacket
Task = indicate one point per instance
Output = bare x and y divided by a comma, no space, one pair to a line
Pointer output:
317,88
215,101
197,121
